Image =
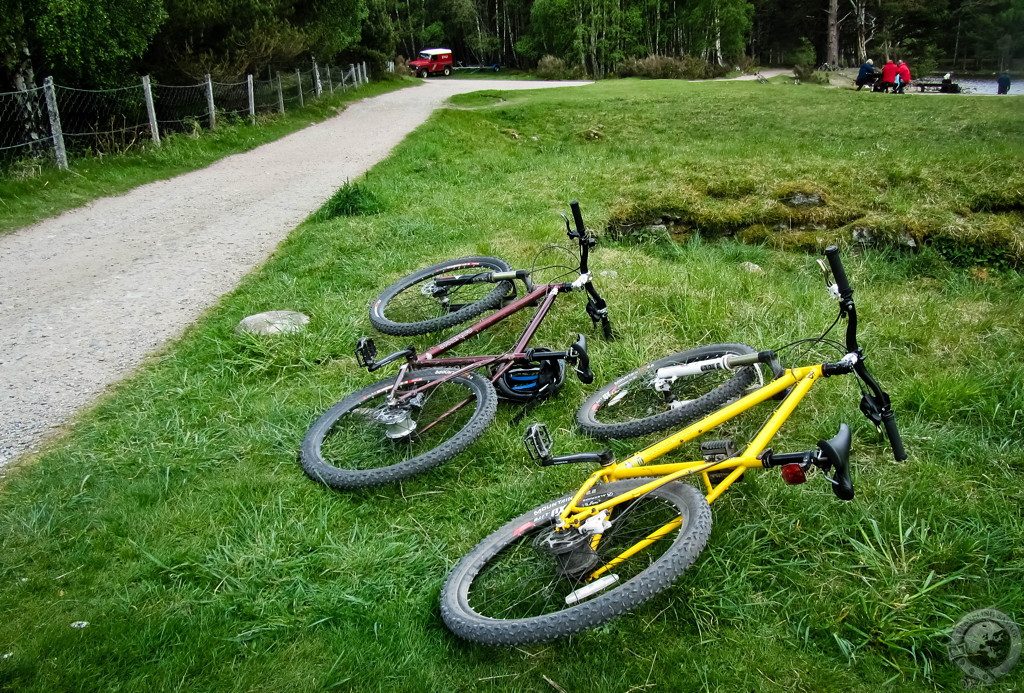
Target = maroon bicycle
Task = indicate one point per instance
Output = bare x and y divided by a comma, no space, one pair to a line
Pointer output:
437,405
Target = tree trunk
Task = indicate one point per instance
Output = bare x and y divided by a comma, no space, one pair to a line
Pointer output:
860,8
832,49
718,40
28,98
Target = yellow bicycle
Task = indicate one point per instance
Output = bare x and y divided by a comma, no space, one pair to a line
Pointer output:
633,527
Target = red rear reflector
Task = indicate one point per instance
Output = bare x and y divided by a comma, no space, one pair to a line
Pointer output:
793,474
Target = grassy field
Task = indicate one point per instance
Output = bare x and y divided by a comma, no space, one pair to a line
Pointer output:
175,520
39,191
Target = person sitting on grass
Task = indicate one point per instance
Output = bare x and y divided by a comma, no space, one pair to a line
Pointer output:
888,80
1003,83
867,74
902,77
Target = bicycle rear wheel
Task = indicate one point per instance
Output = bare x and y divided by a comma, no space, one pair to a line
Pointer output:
415,305
510,590
362,441
631,406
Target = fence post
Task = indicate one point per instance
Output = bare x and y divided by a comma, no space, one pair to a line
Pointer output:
366,73
298,79
209,102
59,153
318,87
352,70
252,99
330,82
154,129
280,94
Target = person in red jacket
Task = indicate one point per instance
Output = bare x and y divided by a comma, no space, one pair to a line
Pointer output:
902,76
888,80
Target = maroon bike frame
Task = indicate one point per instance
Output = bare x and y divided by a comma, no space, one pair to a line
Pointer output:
464,364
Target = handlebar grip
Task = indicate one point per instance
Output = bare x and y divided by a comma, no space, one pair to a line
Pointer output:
577,216
895,439
842,283
735,361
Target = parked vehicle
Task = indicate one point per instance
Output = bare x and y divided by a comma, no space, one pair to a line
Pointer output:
433,61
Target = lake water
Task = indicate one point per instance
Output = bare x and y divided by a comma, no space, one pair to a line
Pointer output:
980,86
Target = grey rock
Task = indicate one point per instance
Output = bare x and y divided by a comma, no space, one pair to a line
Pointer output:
862,234
752,267
273,322
800,199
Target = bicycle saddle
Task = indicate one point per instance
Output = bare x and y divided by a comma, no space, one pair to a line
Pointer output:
836,454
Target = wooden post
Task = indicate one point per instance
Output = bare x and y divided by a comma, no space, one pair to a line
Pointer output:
209,102
252,99
318,88
280,94
154,129
366,74
59,152
352,70
298,80
330,82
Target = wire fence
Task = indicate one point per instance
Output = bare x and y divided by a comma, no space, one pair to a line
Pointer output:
24,123
60,121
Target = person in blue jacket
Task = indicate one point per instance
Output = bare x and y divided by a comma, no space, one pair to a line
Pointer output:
1003,83
867,75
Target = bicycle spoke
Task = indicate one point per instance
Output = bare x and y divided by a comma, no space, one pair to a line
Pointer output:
524,580
418,302
640,399
360,440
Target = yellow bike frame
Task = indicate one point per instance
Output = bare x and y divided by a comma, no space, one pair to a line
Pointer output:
638,465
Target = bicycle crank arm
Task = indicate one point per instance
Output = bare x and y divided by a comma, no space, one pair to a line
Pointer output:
603,458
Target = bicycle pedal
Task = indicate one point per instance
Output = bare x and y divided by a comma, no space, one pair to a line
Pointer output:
537,441
718,477
366,352
717,451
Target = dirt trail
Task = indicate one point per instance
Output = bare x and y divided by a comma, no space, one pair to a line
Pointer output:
85,296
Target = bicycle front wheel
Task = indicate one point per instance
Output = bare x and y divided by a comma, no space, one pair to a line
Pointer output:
364,440
637,404
416,305
512,590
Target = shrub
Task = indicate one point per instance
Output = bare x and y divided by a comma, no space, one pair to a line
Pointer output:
803,59
550,67
666,67
402,67
351,199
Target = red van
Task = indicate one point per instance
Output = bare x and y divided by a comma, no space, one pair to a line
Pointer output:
432,61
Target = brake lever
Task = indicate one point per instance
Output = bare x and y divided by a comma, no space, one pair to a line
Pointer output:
830,283
568,226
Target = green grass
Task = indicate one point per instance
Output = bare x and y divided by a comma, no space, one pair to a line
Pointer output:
35,191
175,520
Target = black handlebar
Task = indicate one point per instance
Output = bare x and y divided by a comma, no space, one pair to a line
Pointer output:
577,217
895,439
877,406
842,283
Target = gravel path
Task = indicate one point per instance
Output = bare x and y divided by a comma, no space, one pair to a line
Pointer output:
84,297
